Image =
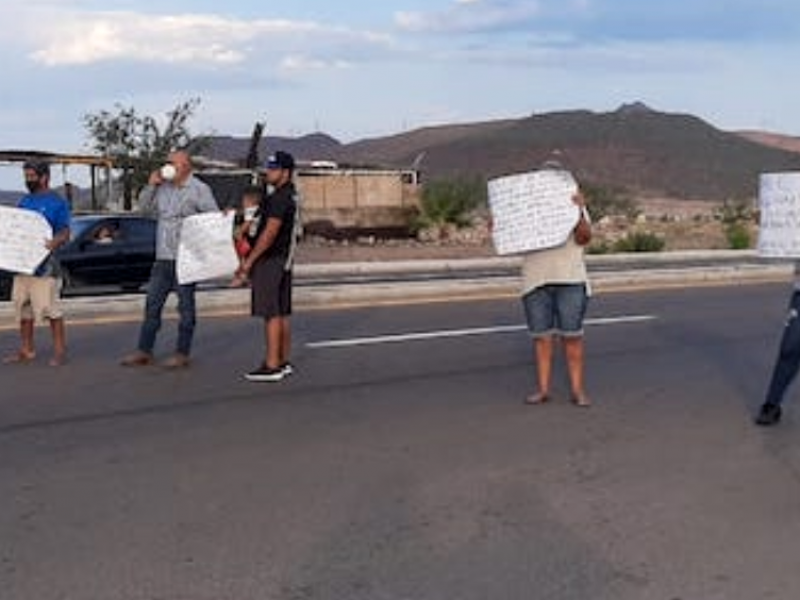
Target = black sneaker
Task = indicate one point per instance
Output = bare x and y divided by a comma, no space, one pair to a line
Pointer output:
264,373
287,368
769,414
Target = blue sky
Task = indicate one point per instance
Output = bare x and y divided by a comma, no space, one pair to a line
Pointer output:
365,69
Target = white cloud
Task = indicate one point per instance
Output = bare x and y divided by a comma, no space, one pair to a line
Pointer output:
83,38
465,16
300,63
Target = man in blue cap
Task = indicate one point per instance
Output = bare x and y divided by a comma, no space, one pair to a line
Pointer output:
269,267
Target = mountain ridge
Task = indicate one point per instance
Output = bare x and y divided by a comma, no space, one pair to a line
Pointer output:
635,148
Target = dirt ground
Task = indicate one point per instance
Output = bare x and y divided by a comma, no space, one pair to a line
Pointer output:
683,225
315,251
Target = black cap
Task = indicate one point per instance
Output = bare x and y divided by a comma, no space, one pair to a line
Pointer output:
280,160
40,167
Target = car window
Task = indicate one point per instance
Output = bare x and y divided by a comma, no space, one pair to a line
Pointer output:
79,225
106,232
139,230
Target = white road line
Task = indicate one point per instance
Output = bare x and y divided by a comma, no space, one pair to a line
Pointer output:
454,333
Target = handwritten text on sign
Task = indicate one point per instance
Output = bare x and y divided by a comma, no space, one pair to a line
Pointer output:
23,234
532,211
779,204
206,248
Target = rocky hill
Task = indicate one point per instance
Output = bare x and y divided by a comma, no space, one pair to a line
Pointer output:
646,152
316,146
775,140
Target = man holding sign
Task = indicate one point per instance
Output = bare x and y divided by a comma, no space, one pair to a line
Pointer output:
779,237
172,194
546,219
36,296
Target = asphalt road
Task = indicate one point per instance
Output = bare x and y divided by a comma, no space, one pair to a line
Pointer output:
399,463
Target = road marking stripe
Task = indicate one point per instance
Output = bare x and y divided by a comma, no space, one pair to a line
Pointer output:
454,333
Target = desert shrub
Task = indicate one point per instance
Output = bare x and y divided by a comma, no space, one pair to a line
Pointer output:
734,215
450,202
603,201
639,242
738,236
734,211
599,248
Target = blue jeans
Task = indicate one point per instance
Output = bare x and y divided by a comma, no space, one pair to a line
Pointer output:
163,280
556,309
788,362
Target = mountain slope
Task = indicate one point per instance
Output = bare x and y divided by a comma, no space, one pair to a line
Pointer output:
316,146
774,140
644,151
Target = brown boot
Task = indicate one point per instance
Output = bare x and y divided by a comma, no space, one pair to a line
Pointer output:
137,359
176,361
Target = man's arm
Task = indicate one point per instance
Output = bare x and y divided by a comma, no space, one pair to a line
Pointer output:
583,230
146,201
61,228
58,240
263,243
204,200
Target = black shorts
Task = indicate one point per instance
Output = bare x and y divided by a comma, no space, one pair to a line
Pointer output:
271,289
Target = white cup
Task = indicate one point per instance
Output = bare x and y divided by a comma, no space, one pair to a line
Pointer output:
168,172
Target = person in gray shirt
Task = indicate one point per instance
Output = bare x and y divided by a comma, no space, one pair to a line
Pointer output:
172,194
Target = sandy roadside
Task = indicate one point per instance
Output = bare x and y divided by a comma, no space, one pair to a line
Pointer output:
314,252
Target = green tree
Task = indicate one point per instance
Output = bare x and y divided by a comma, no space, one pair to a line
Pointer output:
451,201
138,143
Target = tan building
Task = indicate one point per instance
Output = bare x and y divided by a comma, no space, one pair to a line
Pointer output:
336,198
358,198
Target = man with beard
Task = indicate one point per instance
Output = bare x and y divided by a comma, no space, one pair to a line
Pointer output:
37,297
269,267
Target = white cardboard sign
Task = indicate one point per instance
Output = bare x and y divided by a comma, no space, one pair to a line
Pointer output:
779,205
206,248
532,211
23,234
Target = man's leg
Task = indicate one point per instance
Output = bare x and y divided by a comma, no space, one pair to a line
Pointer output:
158,288
286,340
47,302
573,351
266,303
539,315
26,348
21,298
59,341
543,351
571,304
273,331
285,305
786,366
187,313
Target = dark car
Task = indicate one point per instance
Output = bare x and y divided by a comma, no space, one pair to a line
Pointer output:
104,251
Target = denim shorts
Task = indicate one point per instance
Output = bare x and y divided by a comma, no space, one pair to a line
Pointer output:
556,309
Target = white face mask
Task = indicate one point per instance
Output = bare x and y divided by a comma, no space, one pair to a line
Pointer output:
168,172
250,212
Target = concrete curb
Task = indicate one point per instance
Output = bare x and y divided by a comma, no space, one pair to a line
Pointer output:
614,275
455,265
